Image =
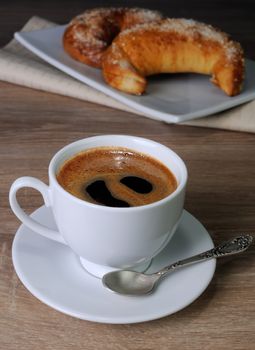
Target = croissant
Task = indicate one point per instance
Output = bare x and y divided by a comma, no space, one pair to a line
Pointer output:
89,34
173,46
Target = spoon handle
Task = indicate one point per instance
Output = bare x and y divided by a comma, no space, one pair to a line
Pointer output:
235,245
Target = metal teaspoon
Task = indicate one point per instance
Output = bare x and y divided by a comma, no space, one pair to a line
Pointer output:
135,283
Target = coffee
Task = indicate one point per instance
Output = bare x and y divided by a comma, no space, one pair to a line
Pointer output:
116,177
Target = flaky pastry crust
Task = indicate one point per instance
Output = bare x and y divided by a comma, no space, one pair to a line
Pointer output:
89,34
173,46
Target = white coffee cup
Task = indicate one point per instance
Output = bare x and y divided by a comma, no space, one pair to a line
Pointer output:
107,238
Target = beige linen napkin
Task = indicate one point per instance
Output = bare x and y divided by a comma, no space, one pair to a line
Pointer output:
18,65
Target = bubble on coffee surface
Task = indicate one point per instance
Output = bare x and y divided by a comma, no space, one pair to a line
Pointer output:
116,177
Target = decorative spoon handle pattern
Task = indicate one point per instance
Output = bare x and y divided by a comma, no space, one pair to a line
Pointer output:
231,247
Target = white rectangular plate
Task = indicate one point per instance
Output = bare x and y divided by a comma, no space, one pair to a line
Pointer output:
172,98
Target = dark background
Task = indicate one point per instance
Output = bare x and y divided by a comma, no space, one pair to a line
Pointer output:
233,16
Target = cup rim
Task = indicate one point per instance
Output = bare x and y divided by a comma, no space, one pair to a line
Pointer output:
180,187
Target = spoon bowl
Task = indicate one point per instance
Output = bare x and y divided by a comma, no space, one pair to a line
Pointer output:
130,282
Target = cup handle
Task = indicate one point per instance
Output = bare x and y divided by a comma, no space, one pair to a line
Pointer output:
38,185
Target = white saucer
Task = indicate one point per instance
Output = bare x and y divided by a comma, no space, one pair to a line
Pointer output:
53,274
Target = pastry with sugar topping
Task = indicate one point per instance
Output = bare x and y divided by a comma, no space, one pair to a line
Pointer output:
173,46
89,34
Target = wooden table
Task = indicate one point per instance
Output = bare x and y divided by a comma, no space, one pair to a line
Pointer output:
220,193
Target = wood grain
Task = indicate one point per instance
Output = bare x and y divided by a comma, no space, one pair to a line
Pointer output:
220,193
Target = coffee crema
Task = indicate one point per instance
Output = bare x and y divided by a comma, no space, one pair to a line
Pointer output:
116,177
